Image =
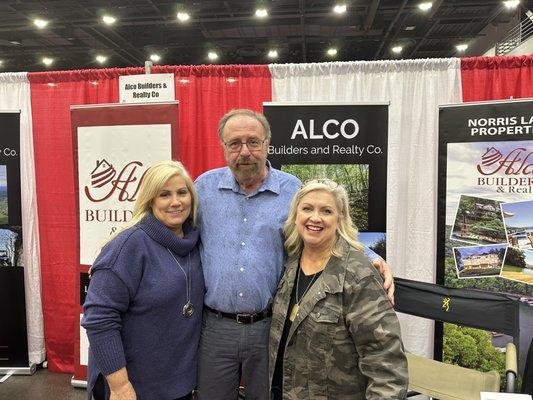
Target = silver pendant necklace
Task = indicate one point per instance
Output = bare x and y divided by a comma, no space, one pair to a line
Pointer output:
188,308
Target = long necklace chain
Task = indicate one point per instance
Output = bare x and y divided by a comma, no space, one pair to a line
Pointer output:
188,308
308,286
296,307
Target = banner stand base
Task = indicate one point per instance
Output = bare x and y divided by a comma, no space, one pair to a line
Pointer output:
78,383
18,370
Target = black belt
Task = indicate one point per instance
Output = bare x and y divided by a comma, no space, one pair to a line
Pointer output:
243,318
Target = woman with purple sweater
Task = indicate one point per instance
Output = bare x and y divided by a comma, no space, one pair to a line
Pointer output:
144,304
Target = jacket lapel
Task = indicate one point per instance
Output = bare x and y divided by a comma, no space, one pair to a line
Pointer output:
331,281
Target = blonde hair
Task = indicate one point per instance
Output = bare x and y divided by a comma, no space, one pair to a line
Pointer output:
345,228
152,182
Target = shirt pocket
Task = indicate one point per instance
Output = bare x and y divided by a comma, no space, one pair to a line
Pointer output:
321,324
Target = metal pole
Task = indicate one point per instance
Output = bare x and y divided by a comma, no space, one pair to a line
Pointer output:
148,67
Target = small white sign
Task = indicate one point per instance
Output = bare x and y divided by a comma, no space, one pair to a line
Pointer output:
147,88
504,396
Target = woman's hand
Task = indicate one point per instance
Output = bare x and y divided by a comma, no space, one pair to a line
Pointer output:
388,280
120,385
124,393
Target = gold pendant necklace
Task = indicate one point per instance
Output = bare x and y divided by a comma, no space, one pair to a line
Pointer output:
296,307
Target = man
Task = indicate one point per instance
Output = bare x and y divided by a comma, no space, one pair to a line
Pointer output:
242,211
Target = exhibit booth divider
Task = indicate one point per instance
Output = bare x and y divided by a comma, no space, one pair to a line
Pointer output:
414,89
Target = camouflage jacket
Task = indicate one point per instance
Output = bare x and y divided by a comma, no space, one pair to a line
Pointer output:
345,341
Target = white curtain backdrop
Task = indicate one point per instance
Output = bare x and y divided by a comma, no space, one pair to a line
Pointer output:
415,89
15,95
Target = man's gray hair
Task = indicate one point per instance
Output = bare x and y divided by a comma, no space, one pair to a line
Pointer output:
247,113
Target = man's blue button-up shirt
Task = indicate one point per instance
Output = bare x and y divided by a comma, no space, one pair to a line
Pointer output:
242,238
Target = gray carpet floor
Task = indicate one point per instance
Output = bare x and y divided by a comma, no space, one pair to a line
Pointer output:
43,385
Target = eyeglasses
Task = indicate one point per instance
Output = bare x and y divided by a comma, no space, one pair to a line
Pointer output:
253,144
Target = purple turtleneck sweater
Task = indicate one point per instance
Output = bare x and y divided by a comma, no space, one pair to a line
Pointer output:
133,310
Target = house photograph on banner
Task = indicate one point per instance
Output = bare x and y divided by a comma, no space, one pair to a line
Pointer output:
339,141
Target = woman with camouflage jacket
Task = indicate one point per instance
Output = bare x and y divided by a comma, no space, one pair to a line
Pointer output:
334,334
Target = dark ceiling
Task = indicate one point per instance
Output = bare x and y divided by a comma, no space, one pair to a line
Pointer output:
300,30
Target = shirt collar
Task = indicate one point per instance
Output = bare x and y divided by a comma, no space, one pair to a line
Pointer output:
271,182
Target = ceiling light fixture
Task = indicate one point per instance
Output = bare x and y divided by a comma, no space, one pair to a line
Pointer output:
94,83
511,4
410,28
40,23
101,59
15,42
332,52
340,8
261,13
273,54
155,57
231,80
47,61
397,49
108,19
212,55
461,47
425,6
51,84
183,16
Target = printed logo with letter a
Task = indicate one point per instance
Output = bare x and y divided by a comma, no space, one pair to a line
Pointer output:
105,181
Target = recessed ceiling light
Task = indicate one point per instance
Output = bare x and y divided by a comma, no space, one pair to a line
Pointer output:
426,5
15,42
51,84
261,12
461,47
397,49
212,55
101,59
183,16
332,52
47,61
40,23
410,28
273,54
510,4
108,19
340,8
94,83
155,57
231,80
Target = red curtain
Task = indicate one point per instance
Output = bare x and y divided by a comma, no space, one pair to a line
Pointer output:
205,94
496,78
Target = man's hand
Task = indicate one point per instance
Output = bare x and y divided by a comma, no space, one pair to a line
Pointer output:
388,280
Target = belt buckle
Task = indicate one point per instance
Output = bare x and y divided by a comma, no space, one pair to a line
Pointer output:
239,316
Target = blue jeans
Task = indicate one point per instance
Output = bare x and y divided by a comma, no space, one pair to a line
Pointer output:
229,352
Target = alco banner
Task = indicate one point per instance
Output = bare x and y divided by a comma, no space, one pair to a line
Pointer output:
115,145
343,142
485,215
13,328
